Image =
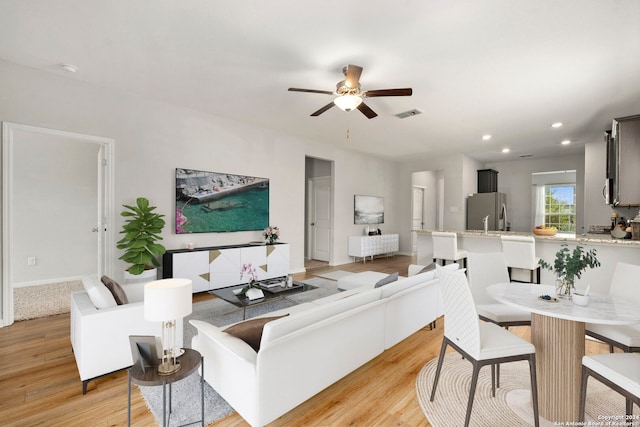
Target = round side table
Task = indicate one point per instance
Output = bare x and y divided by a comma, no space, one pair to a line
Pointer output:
190,361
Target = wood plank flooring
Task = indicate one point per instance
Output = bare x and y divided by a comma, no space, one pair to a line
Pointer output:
40,386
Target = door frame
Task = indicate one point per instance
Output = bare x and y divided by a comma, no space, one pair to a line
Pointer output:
104,220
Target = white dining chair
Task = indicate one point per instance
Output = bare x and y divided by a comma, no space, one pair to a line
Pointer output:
520,252
481,343
489,268
624,285
445,248
618,371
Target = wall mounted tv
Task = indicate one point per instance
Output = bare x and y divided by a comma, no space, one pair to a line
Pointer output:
208,202
368,210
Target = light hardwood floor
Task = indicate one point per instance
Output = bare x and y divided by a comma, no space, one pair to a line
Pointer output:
39,383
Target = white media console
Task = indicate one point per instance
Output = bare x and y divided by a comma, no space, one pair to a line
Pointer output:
369,246
219,267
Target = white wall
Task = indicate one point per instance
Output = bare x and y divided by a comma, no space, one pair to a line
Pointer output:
153,138
49,211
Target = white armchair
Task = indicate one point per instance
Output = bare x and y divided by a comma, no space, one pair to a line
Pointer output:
100,336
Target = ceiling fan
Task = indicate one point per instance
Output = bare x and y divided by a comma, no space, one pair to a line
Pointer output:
348,95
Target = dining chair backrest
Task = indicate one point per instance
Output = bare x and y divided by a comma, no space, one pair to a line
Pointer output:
626,282
484,269
461,324
445,245
519,252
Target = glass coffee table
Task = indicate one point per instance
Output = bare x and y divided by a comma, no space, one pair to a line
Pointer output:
270,295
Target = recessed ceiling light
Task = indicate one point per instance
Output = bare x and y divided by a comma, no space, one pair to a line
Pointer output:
556,125
565,142
506,150
486,137
70,68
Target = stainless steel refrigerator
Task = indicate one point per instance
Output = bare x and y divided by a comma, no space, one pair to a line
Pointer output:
481,205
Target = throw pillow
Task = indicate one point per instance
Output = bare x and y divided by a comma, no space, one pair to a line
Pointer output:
250,331
390,278
429,267
98,293
116,290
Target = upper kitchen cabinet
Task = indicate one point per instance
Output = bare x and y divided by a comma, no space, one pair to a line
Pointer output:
623,170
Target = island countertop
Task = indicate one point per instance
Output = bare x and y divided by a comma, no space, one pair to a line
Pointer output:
584,239
610,251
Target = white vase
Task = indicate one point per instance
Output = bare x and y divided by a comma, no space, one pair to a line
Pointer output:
145,276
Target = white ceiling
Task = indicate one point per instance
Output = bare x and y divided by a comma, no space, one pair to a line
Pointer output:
503,67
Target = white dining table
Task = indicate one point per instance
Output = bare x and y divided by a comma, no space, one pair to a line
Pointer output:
558,334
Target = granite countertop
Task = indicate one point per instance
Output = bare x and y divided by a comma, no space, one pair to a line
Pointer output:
560,237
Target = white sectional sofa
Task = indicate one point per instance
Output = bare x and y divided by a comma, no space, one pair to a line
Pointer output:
317,344
100,328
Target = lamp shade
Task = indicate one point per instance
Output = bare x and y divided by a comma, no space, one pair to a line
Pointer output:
167,299
347,102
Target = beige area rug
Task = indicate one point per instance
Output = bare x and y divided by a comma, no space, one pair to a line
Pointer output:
512,404
44,300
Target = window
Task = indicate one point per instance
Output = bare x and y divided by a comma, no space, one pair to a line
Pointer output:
560,207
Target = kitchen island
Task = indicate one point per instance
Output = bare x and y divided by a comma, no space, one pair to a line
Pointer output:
609,251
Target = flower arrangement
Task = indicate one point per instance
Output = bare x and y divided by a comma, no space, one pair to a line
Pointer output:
569,266
271,234
249,271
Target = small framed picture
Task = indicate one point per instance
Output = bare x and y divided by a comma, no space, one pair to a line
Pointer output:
144,350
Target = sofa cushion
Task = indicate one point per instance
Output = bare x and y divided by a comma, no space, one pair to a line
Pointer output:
275,330
389,279
357,280
405,283
250,331
116,290
98,293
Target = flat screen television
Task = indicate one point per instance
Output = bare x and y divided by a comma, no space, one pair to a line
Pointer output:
210,202
368,209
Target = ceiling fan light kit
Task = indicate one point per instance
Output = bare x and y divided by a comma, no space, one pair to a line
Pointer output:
348,95
348,102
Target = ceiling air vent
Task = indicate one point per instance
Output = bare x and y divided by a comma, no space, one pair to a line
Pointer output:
409,113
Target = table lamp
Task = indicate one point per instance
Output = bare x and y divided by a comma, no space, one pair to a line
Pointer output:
167,300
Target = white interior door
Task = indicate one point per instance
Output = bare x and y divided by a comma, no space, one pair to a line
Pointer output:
417,220
320,218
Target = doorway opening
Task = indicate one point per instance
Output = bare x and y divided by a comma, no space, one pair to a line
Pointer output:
318,212
57,213
427,203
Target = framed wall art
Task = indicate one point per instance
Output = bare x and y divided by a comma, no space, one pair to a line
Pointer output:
209,202
368,209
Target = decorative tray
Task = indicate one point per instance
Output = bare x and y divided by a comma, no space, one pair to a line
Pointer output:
548,298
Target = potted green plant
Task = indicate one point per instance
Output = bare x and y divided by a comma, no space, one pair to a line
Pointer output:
141,231
569,266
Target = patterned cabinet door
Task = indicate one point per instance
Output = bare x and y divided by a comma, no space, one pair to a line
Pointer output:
193,266
257,257
277,260
224,267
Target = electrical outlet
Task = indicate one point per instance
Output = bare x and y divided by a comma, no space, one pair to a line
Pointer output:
31,260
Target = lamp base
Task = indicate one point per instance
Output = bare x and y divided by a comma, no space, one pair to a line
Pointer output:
168,368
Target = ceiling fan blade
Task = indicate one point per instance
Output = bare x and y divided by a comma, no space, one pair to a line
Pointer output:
352,79
388,92
323,109
364,108
295,89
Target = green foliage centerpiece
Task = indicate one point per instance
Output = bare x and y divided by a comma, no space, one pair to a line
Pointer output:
569,266
141,231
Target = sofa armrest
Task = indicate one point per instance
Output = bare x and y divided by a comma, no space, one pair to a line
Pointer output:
232,344
100,337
